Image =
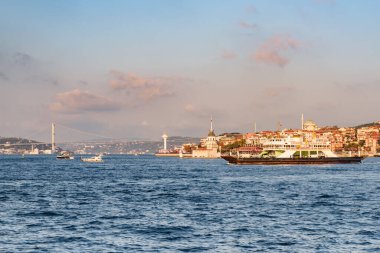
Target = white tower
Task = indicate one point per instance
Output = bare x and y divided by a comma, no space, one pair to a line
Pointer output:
52,138
165,137
211,138
302,121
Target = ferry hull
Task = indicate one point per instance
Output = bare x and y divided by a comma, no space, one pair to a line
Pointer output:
295,161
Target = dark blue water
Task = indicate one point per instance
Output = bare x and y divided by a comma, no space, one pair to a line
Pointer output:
149,204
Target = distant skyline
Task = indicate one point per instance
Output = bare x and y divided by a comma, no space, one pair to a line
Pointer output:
128,69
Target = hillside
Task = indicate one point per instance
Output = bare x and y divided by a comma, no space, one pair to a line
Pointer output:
368,125
20,143
126,147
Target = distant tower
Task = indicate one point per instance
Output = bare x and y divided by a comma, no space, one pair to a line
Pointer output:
52,138
302,121
255,128
211,138
165,137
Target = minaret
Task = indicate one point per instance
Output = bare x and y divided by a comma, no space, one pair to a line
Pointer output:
302,121
211,132
52,138
255,128
165,137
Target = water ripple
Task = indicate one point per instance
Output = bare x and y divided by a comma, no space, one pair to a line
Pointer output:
149,204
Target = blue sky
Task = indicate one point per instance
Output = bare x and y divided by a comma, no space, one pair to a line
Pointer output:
131,69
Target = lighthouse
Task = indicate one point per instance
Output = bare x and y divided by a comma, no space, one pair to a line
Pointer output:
165,137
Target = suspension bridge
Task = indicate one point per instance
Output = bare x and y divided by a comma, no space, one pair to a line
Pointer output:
96,139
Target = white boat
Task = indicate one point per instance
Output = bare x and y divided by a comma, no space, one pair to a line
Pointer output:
65,155
290,150
94,159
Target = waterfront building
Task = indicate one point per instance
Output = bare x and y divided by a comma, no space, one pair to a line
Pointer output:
34,151
348,133
368,138
210,148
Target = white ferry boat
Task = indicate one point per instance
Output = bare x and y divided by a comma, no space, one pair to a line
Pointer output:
291,150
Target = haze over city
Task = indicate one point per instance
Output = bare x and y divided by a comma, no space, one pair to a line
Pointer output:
129,69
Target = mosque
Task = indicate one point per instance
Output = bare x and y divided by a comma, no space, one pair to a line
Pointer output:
308,125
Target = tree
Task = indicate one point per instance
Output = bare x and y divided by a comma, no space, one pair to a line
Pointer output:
234,145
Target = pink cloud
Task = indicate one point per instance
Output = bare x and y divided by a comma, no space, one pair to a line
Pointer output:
145,88
152,92
228,55
272,57
80,101
248,26
130,80
199,112
272,50
190,108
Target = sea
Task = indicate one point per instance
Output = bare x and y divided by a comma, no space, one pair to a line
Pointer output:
150,204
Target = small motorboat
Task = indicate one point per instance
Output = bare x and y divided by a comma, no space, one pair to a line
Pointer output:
94,159
65,155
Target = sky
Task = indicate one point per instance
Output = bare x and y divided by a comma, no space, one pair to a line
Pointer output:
136,69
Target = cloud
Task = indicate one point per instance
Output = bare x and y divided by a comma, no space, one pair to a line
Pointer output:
3,77
228,55
150,93
195,111
189,108
84,83
22,59
271,57
247,26
22,69
272,51
145,88
129,81
76,101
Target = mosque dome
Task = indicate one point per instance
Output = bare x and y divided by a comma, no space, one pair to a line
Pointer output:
310,125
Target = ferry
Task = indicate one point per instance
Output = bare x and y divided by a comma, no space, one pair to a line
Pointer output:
290,150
